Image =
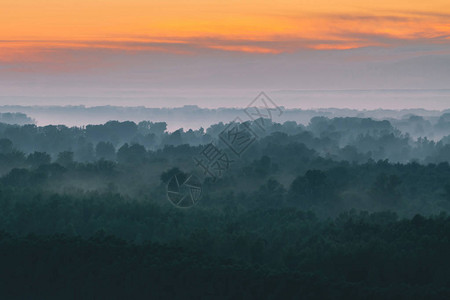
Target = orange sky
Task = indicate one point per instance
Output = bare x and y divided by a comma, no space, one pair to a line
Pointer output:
31,29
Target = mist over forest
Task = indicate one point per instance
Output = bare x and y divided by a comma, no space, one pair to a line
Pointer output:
417,122
319,202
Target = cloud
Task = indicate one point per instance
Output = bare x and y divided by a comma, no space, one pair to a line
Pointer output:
314,31
302,33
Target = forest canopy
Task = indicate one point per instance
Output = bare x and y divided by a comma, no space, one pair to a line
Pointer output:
324,210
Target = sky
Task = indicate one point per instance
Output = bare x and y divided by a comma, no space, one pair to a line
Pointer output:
178,52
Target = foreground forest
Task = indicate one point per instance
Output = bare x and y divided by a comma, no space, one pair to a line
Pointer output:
340,208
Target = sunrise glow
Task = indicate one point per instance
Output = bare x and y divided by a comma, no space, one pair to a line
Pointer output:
32,30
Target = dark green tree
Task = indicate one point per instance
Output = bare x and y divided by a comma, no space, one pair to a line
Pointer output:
105,150
37,159
65,158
